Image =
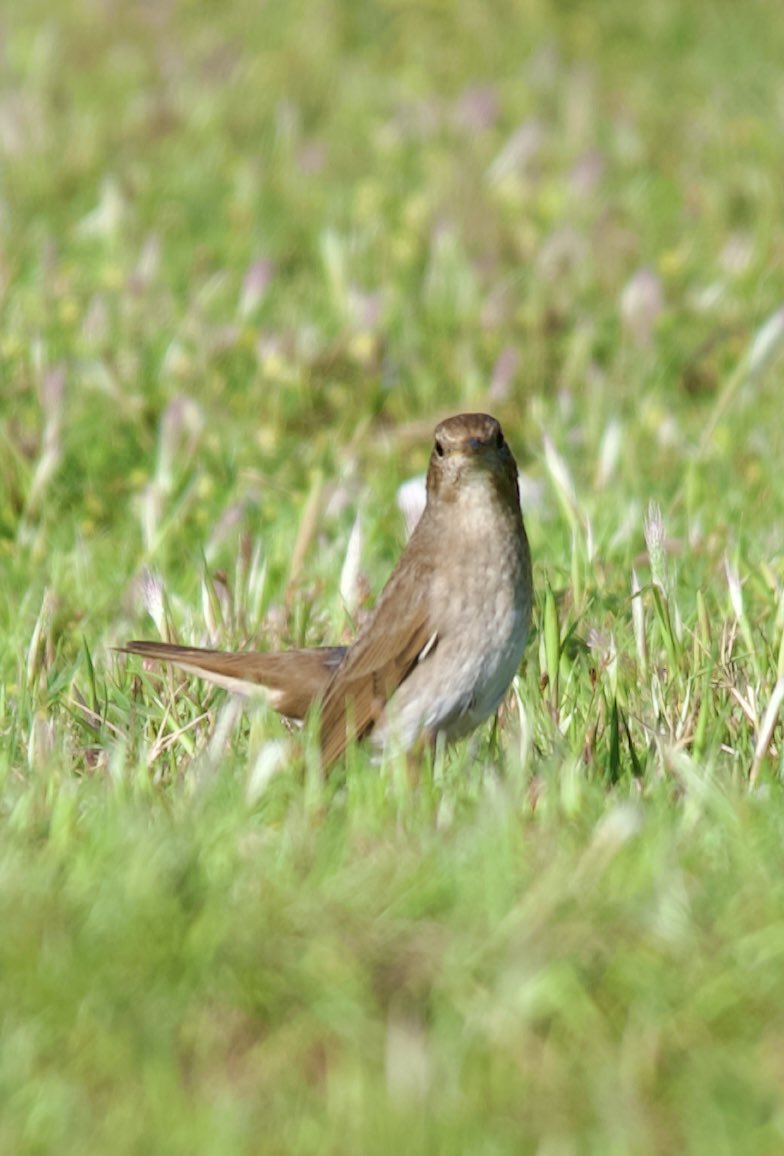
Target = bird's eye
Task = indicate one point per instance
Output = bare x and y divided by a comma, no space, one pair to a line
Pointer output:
439,448
499,440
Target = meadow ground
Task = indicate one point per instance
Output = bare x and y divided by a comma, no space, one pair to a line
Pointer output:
249,254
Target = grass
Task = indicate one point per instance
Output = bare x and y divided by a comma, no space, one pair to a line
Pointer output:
248,257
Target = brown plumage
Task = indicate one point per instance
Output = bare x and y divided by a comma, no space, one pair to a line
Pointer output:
448,630
290,680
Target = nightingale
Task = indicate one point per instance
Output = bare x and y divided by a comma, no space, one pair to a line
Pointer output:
448,630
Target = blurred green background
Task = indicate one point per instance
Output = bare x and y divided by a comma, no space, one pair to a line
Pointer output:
249,255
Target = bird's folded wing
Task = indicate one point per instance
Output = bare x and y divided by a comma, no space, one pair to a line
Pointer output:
375,666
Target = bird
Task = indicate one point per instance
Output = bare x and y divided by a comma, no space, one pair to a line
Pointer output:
448,631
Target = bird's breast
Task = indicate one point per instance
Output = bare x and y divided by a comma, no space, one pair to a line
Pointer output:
480,608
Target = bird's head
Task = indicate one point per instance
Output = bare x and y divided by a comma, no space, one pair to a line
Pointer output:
470,450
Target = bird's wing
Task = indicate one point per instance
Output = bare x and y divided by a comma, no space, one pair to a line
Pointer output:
290,680
378,662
